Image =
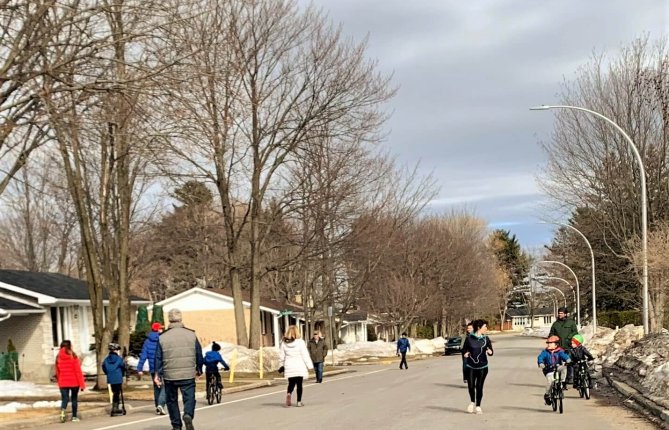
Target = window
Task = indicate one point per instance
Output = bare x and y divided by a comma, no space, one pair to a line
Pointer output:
54,326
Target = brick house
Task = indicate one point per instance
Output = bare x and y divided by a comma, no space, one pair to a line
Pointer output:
210,313
45,309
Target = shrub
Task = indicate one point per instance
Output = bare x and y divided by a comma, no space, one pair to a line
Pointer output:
614,318
424,332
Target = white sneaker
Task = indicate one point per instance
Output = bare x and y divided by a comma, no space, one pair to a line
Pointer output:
479,411
161,410
300,404
470,408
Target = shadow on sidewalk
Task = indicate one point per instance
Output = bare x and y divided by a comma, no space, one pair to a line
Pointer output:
441,384
522,408
447,409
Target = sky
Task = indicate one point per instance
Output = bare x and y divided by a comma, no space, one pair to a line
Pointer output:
467,71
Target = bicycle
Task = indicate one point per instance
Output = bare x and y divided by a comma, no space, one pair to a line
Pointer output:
583,379
214,391
556,392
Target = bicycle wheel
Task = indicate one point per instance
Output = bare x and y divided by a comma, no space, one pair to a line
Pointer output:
561,409
586,393
219,392
210,393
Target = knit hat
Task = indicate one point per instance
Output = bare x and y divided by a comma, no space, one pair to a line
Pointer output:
577,339
156,326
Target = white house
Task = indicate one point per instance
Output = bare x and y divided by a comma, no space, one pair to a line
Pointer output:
45,309
210,313
520,318
354,327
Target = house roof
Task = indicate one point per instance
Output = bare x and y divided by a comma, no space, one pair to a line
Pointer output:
524,312
53,285
18,307
356,316
246,297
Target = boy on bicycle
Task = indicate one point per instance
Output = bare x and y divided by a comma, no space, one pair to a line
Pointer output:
578,353
211,360
553,359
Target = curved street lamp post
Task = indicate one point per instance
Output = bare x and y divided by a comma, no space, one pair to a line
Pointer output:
644,207
577,294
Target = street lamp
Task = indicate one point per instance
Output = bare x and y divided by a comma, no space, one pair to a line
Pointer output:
4,315
592,264
644,205
577,302
555,278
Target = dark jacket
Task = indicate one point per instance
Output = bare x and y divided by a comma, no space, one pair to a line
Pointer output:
477,347
317,350
211,360
564,329
149,352
580,353
114,368
179,354
552,359
403,345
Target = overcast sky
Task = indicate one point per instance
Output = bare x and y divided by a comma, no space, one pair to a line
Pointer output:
468,71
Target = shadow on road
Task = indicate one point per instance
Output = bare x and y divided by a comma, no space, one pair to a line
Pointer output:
529,385
447,409
522,408
440,384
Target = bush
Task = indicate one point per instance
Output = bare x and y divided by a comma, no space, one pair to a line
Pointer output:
424,332
136,341
612,319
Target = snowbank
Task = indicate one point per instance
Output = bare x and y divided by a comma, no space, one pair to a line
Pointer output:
13,407
648,360
248,360
536,332
10,389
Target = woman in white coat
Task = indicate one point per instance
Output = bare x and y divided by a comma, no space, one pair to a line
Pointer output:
295,362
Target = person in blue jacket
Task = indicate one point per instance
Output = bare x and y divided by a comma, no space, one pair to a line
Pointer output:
114,367
149,354
211,360
550,360
403,346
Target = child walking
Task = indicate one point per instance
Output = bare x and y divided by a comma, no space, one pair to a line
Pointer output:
114,368
70,379
295,363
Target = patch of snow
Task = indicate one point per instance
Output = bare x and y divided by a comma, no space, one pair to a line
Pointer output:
26,389
13,407
132,363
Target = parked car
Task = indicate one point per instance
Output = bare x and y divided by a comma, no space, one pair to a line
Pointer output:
452,345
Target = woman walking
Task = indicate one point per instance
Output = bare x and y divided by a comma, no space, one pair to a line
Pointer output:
476,350
295,362
70,379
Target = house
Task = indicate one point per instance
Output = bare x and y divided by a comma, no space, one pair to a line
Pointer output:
353,327
520,318
210,312
45,309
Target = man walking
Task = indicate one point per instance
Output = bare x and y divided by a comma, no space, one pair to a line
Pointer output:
403,347
149,355
178,361
565,328
318,350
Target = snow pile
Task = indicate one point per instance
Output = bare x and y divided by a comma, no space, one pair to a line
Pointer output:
648,360
536,332
132,363
89,364
248,360
27,389
609,345
13,407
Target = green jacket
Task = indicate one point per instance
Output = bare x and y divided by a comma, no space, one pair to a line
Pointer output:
317,351
565,329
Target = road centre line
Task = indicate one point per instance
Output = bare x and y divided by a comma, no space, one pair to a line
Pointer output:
236,401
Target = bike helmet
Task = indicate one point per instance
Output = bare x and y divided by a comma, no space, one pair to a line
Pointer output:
553,339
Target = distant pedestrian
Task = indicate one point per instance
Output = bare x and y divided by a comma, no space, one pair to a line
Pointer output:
465,370
70,379
403,346
178,361
295,362
318,350
149,355
476,350
114,367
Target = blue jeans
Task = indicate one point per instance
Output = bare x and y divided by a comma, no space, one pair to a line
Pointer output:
187,387
318,368
65,395
158,393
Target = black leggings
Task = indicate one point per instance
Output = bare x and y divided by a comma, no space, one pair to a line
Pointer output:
475,383
295,381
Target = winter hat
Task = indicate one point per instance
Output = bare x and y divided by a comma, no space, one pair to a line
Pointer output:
156,326
577,339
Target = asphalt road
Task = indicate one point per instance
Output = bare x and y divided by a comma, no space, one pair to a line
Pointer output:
429,395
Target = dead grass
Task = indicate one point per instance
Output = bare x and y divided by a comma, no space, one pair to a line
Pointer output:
30,414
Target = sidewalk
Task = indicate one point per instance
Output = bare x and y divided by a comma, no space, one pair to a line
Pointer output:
133,406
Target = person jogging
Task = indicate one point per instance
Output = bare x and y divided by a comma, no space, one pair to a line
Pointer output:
476,350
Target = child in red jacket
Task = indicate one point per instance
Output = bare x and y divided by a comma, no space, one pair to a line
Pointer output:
69,377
